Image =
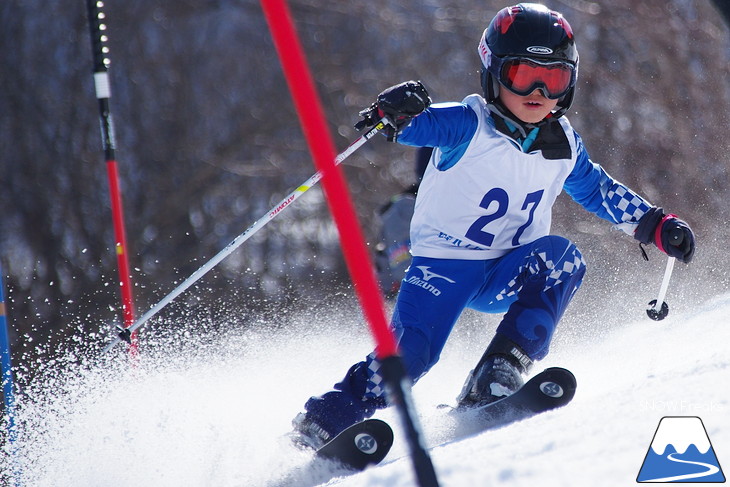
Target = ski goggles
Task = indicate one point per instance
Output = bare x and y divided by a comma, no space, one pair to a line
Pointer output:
522,76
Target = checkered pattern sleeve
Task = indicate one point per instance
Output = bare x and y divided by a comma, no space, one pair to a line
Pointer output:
590,186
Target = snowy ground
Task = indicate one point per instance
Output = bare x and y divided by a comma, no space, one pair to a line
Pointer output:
215,411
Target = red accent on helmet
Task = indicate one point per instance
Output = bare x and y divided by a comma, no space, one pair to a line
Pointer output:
506,17
560,20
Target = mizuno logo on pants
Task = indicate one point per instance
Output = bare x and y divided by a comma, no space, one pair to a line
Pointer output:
427,276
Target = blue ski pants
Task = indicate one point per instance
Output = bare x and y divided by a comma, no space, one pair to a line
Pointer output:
532,285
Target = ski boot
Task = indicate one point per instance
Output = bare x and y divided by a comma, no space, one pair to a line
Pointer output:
498,374
308,434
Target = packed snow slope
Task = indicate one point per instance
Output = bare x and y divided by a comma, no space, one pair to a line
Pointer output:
212,408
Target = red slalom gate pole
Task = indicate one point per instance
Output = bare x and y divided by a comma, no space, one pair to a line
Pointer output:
321,145
100,52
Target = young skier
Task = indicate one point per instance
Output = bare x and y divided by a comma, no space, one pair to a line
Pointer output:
480,232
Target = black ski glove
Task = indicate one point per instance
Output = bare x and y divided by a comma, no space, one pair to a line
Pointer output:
398,105
670,234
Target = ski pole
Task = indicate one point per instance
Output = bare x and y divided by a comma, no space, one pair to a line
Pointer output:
124,334
103,93
658,308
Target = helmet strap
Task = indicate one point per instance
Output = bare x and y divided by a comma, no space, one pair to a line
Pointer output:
564,103
490,86
499,110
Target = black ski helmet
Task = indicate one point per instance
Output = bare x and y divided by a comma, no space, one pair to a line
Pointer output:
530,31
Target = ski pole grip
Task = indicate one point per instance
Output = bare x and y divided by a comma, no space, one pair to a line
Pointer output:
676,236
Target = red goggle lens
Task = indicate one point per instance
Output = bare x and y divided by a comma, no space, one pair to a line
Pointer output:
523,76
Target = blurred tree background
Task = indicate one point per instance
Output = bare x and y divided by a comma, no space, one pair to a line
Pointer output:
208,141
